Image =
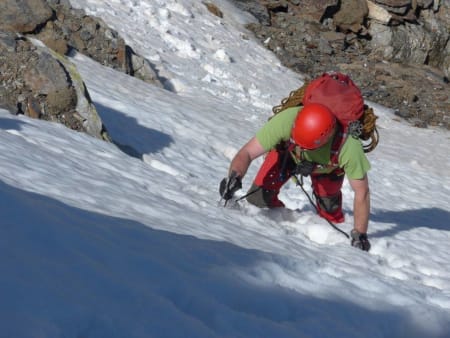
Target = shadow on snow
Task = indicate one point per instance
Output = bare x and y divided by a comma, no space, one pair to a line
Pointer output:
7,124
140,140
432,218
70,272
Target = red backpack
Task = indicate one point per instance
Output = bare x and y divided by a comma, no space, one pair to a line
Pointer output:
337,92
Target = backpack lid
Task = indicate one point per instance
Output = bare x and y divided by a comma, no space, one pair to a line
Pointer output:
337,92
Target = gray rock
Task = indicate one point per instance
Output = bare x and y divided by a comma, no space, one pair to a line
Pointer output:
314,10
402,64
143,70
424,3
7,42
23,16
37,80
44,75
394,3
256,8
351,15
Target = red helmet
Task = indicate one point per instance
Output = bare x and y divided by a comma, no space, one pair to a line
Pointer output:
313,126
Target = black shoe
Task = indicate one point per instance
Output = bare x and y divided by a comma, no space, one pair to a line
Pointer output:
359,240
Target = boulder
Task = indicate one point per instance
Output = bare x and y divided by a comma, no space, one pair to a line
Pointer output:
314,10
378,13
39,81
42,84
351,15
23,16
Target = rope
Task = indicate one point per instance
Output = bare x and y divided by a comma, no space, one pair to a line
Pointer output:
367,120
294,99
300,184
368,132
369,129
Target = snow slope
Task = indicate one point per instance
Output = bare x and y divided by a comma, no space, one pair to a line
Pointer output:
130,241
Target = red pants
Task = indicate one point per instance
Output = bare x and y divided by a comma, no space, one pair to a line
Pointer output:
274,173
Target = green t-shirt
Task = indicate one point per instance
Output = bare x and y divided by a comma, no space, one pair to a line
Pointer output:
352,158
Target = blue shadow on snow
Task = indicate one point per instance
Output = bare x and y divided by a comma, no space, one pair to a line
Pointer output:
432,218
6,124
68,272
132,138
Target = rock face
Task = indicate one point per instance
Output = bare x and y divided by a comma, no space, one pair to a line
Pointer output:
38,80
397,51
23,16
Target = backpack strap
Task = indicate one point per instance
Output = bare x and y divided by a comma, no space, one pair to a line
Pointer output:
339,139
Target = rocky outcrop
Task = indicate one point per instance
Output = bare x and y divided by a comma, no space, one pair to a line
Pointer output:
63,28
398,51
24,16
38,80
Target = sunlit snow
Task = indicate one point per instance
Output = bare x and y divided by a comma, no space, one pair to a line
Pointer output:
129,240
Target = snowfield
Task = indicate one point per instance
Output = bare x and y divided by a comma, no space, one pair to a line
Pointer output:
100,240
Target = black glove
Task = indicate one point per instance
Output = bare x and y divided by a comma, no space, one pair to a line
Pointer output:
230,185
304,168
360,240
